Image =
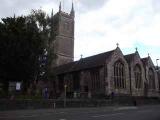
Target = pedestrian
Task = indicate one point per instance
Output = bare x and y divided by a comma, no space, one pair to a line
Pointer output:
46,93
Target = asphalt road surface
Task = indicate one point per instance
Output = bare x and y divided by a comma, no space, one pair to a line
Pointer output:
100,113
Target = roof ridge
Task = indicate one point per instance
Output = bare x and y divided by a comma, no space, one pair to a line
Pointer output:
129,54
86,63
145,58
99,54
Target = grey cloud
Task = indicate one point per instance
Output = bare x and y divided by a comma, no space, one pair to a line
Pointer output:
19,7
82,5
86,5
92,4
9,7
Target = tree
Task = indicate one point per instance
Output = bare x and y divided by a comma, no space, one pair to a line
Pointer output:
22,42
45,25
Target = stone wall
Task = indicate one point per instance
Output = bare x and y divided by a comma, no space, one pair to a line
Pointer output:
136,61
110,69
151,92
63,44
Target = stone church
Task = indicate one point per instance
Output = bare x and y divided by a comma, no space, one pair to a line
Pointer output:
99,75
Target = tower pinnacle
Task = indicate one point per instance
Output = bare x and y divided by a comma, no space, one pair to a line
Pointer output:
60,6
72,13
52,13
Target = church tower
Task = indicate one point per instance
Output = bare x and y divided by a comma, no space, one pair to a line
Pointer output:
63,41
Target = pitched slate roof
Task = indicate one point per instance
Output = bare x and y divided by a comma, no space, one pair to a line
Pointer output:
84,63
129,57
144,60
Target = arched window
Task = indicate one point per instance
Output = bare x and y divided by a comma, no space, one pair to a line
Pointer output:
138,76
119,75
95,78
151,78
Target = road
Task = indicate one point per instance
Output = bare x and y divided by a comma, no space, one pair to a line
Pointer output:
100,113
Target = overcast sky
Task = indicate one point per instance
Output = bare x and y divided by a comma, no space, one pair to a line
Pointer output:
100,24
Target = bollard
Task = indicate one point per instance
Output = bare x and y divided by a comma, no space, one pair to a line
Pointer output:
54,105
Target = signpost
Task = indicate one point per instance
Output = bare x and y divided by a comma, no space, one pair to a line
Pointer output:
65,90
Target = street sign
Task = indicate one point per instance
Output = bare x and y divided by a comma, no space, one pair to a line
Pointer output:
18,86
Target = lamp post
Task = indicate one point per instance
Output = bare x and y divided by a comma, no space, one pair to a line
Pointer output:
65,90
157,63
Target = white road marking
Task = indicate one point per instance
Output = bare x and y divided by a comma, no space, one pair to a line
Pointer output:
105,115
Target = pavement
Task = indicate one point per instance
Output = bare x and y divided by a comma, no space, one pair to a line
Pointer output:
99,113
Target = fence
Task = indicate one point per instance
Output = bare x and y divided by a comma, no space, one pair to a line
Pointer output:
52,103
